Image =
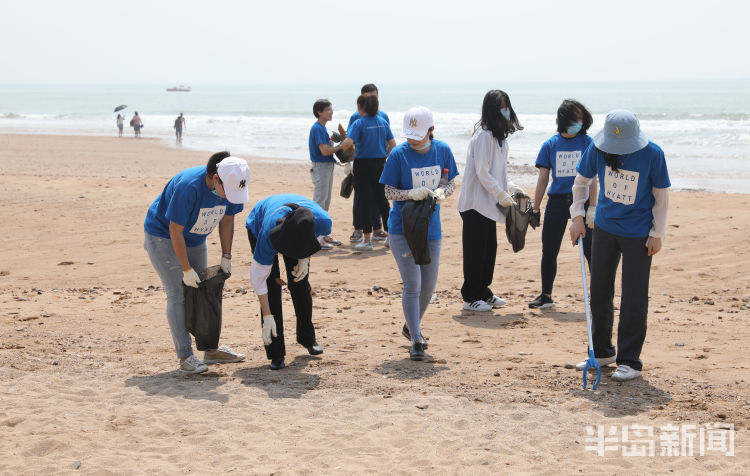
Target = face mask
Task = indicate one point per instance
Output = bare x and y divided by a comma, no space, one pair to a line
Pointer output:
505,111
426,145
574,128
215,193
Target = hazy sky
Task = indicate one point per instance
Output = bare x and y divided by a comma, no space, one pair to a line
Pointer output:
317,41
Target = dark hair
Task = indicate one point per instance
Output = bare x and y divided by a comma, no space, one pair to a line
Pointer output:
214,161
492,120
369,104
610,159
566,115
320,106
368,88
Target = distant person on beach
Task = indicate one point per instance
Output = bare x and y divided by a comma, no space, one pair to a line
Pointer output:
486,184
415,170
323,162
286,224
630,222
374,140
179,125
560,155
192,204
120,124
377,234
137,124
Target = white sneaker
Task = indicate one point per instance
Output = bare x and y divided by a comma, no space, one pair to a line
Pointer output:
624,373
602,362
480,306
324,245
364,246
496,301
222,355
192,365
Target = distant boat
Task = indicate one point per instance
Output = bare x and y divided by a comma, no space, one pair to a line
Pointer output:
180,88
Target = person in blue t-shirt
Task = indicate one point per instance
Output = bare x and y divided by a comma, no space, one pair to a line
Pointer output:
192,204
323,162
630,222
419,169
288,224
374,140
560,155
377,233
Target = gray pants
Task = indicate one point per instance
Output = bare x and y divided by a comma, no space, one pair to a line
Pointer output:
169,269
322,179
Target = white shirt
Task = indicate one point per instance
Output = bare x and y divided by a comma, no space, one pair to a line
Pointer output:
485,176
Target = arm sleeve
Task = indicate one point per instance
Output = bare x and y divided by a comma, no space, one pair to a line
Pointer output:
449,188
393,193
482,154
259,273
580,194
659,210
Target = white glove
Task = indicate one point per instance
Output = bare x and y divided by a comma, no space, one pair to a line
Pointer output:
348,168
226,265
438,193
590,216
269,329
301,269
506,200
513,188
190,278
419,193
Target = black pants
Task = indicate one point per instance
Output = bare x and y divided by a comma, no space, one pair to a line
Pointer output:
479,237
556,216
301,299
636,267
367,185
374,213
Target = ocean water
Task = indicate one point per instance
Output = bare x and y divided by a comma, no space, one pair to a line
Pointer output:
703,127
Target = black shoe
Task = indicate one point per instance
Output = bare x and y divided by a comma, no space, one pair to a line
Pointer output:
542,302
405,333
417,351
277,364
314,349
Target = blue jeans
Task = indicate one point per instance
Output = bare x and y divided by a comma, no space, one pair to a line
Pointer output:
169,269
419,281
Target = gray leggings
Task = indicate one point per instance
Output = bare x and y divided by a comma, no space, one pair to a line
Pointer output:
168,267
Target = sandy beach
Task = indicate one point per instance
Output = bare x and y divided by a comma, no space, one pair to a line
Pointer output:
88,378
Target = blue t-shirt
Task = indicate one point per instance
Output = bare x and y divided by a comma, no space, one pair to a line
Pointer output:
318,135
370,134
625,203
356,116
406,169
187,201
561,155
266,212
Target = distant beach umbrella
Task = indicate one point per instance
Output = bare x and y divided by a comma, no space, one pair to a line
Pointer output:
120,107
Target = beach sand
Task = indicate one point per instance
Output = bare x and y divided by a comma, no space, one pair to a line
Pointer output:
88,375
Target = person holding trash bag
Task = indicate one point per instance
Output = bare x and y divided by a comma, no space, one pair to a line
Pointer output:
419,169
485,184
560,155
288,224
630,222
191,205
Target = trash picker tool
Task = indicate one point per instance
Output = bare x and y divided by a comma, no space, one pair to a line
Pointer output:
591,361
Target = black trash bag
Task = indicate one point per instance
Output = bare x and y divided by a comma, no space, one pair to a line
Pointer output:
517,220
415,220
347,186
203,308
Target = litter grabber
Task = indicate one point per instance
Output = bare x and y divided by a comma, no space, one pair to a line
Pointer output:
591,361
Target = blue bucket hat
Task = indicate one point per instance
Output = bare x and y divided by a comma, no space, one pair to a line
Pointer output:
621,133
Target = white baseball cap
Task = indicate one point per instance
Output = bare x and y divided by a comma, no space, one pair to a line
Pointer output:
417,121
235,176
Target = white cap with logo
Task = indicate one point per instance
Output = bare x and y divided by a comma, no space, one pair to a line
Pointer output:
417,121
235,175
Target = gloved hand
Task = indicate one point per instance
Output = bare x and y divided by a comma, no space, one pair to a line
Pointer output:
590,213
269,329
513,188
348,168
226,264
439,193
301,269
506,200
535,219
419,193
190,278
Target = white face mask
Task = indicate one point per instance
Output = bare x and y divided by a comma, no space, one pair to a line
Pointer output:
505,111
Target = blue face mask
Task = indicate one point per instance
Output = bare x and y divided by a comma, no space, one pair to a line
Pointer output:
426,145
505,111
574,128
215,193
